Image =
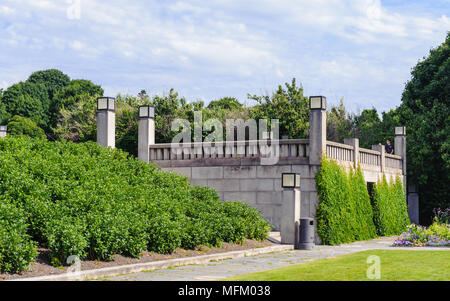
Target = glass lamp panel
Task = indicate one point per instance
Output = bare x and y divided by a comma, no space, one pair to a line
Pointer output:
399,130
143,112
102,104
316,102
297,180
288,180
111,103
151,112
3,128
324,103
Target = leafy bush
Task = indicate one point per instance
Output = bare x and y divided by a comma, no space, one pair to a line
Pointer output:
17,250
417,236
344,213
389,207
24,126
86,200
65,237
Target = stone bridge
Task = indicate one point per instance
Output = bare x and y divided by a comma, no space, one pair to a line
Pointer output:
239,170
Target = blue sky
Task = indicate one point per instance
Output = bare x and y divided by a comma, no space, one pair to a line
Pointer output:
361,50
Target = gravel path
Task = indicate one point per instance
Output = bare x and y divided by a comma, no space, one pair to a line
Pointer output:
231,267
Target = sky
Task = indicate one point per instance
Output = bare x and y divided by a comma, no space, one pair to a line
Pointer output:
359,50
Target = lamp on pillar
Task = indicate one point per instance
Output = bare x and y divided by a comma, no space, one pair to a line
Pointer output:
400,131
146,131
290,180
290,208
400,148
317,102
3,130
146,112
106,121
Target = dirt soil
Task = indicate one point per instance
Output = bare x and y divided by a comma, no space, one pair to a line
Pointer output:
42,266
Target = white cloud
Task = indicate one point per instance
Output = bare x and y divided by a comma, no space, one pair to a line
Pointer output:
224,47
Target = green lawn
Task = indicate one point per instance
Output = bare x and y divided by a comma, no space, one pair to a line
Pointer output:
396,265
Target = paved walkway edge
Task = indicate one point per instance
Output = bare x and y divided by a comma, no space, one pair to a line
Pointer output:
155,265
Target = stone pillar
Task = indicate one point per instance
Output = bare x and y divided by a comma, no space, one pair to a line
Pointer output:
317,146
106,122
400,150
413,204
317,133
290,215
3,129
400,146
381,149
146,137
355,143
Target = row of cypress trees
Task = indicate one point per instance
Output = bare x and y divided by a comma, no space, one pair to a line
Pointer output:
347,212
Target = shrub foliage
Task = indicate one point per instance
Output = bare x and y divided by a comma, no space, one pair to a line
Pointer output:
347,213
344,213
85,200
389,207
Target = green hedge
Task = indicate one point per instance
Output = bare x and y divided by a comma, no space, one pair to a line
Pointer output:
344,213
389,207
347,213
85,200
16,248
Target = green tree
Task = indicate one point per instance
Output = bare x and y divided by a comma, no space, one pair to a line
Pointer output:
69,98
225,103
52,79
78,123
289,105
29,100
23,126
425,111
339,123
367,128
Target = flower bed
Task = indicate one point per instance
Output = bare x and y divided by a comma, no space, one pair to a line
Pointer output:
437,235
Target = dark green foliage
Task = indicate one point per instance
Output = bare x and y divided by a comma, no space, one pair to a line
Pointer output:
66,237
24,126
291,104
364,225
28,100
344,213
85,200
17,250
226,103
389,207
425,111
52,79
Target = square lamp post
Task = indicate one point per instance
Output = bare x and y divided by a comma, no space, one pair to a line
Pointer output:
146,112
106,121
400,131
290,208
106,104
317,102
146,131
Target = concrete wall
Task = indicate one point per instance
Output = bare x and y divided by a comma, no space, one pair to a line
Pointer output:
259,186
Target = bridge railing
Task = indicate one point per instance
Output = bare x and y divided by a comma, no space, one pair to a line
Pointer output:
285,148
367,157
339,151
394,161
